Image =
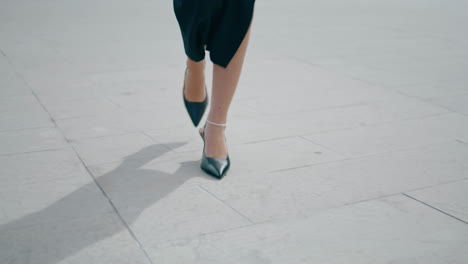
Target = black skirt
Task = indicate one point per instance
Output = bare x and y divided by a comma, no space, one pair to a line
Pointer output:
218,26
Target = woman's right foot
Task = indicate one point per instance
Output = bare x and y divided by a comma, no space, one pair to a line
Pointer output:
194,85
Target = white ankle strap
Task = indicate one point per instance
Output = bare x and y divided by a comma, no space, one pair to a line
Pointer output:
225,124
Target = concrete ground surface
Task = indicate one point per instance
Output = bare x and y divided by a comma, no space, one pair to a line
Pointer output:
348,136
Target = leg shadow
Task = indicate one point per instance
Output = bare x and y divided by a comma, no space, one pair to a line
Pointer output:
77,221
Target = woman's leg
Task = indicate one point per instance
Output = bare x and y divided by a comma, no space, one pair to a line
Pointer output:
195,81
225,82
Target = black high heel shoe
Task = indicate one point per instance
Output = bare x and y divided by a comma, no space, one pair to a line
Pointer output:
216,167
195,109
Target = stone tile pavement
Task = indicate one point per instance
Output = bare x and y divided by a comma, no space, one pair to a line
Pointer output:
348,136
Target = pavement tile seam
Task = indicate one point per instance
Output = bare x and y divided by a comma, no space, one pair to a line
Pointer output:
347,158
450,110
35,151
351,203
397,193
331,130
32,183
225,204
292,221
338,73
384,86
435,208
158,142
353,76
323,146
25,128
58,221
434,185
114,207
396,122
78,140
98,164
105,136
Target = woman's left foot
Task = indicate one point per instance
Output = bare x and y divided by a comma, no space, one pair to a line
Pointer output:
214,165
215,144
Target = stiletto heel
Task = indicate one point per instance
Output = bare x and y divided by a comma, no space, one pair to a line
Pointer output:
216,167
195,109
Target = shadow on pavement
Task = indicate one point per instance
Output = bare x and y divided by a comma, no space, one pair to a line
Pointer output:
77,221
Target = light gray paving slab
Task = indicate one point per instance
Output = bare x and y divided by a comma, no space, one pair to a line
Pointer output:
121,147
306,190
257,157
52,201
445,88
264,127
18,141
164,197
264,156
186,133
456,103
99,238
20,112
184,213
389,230
310,87
154,172
398,49
11,84
146,101
399,69
41,166
61,109
46,187
122,123
394,135
451,198
96,126
53,212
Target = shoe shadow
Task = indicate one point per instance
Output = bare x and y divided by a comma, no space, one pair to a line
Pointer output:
76,221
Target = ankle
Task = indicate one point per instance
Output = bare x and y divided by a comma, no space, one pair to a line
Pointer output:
197,68
216,118
216,128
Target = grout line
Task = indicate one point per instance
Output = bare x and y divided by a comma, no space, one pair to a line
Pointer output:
437,184
104,136
24,128
158,142
397,193
428,205
323,146
398,121
265,140
248,219
114,208
33,151
348,204
82,162
368,155
384,86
